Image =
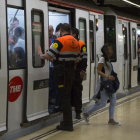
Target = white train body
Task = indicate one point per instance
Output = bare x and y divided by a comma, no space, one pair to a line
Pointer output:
24,92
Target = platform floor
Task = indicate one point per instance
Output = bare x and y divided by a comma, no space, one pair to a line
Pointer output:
127,113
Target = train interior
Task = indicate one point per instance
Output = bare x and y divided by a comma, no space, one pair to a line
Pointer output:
55,19
18,14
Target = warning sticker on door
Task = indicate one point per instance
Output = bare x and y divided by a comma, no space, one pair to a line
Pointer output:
37,27
15,88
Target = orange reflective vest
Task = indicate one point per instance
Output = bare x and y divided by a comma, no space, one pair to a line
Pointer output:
82,65
65,48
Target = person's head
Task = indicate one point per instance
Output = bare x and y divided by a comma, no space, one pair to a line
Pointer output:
51,30
58,27
65,29
19,51
57,31
17,33
107,50
15,22
75,33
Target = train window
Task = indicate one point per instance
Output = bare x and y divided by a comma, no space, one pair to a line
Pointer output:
134,42
16,38
110,34
92,39
125,43
82,30
37,36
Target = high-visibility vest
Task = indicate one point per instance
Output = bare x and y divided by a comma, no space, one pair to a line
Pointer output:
65,48
83,50
82,44
82,65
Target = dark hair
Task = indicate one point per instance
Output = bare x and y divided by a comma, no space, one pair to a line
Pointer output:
75,31
18,31
15,19
65,27
104,50
58,27
20,52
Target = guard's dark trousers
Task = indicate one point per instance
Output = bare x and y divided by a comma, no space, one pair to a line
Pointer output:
64,84
76,97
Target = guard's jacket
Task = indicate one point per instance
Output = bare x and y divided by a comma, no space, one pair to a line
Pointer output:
65,52
82,65
65,48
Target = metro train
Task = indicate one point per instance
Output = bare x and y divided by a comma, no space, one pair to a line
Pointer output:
24,87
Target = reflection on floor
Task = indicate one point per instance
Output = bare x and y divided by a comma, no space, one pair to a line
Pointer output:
128,114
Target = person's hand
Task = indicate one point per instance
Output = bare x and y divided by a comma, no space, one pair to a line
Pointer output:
112,78
82,74
39,50
10,40
138,51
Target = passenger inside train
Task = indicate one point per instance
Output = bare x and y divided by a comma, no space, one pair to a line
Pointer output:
20,57
16,38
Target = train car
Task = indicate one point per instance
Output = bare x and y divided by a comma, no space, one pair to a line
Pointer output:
24,96
24,77
121,32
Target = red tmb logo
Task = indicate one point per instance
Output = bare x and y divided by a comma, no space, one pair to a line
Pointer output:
15,88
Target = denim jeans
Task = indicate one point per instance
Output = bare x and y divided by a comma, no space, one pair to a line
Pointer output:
103,102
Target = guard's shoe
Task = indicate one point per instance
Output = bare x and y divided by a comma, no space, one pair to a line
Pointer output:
78,116
114,123
64,128
62,123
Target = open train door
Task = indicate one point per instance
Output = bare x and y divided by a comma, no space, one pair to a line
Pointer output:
133,54
92,29
37,69
82,23
3,67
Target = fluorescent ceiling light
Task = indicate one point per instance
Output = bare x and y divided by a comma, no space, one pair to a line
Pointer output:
131,3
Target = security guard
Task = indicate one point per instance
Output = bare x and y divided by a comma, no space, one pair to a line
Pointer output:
77,86
64,53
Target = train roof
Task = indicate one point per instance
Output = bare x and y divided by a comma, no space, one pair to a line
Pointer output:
87,5
119,14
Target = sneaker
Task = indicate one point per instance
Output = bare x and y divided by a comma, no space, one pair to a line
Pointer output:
78,116
64,128
114,123
86,118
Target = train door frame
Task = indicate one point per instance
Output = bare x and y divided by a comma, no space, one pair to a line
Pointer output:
17,74
125,30
133,57
37,73
61,10
65,10
138,28
92,54
84,15
3,69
